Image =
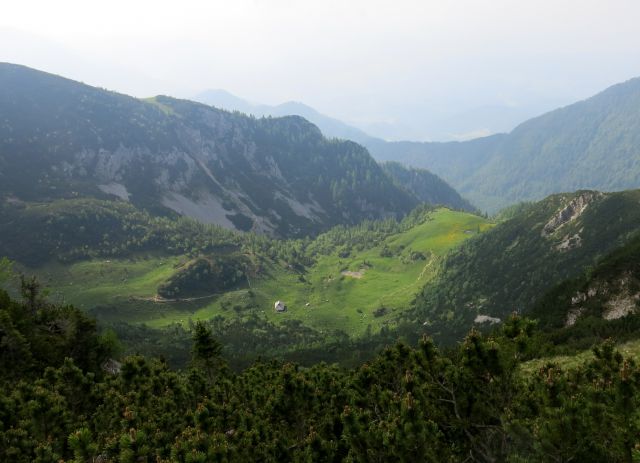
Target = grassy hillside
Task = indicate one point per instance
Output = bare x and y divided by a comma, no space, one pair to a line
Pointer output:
350,291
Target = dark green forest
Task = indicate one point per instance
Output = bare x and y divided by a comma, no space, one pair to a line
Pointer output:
64,399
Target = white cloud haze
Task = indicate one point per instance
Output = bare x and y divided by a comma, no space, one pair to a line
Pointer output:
402,63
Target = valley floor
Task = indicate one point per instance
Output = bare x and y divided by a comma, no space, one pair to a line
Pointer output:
355,293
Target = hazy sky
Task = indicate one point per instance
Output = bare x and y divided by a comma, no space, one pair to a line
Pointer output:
379,64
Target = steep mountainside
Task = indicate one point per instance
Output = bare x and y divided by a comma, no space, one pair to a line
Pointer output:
62,139
610,290
593,144
421,183
427,187
510,267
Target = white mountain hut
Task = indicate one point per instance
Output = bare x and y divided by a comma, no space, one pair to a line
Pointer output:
280,306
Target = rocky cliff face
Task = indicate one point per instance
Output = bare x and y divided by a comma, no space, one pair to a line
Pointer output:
570,212
609,289
611,299
60,138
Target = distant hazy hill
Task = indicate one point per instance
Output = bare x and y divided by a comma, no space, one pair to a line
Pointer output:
414,124
62,139
510,267
592,144
330,127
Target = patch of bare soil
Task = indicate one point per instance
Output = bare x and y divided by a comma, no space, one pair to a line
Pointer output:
348,273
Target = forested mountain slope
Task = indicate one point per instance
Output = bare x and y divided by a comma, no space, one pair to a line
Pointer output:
424,185
64,139
592,144
513,265
427,187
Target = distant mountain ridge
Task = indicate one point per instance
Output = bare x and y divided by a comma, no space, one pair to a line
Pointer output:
427,123
592,144
280,176
329,126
